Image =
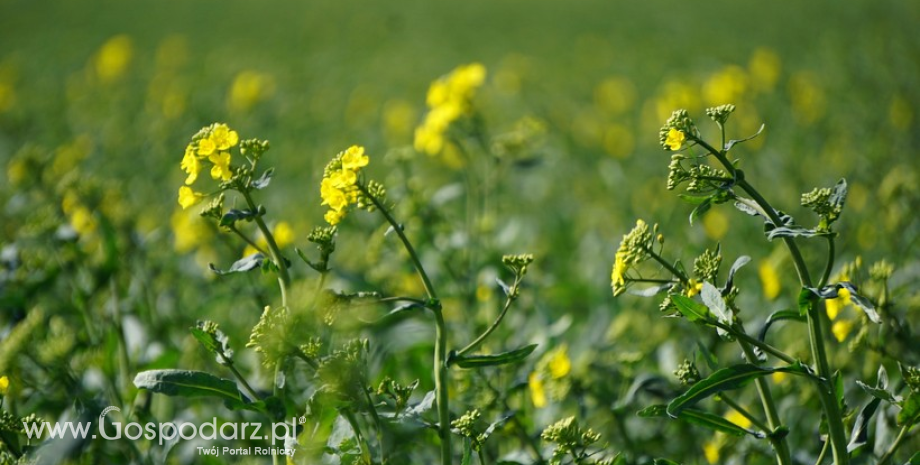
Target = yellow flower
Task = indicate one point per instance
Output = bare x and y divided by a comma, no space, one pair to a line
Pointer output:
537,392
82,220
221,168
206,147
694,287
343,178
769,279
711,451
354,158
617,277
559,363
841,329
189,231
333,217
283,233
224,138
188,197
675,139
191,164
4,385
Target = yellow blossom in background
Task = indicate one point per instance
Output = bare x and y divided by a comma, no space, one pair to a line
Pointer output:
4,385
537,391
841,329
711,451
559,363
764,69
835,305
738,419
398,118
808,100
715,224
248,89
113,58
188,197
7,88
283,234
675,139
615,95
676,94
769,279
189,231
82,220
726,86
900,113
449,98
779,377
619,140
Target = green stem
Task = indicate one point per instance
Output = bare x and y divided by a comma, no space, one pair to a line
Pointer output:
362,443
889,454
823,453
501,315
378,426
830,262
816,340
246,238
743,336
681,276
239,376
783,456
284,279
440,352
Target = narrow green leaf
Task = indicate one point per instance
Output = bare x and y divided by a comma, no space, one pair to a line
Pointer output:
694,199
700,209
693,310
478,361
779,315
235,215
467,458
725,379
910,410
186,383
914,459
699,418
263,181
733,142
882,394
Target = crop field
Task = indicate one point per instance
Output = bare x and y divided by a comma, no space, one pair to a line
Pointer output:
482,232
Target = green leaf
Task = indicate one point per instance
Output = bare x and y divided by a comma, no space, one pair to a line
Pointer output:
651,291
860,434
713,300
467,458
833,290
694,199
725,379
914,459
700,209
878,393
711,360
664,462
186,383
693,310
700,418
478,361
910,410
739,262
242,265
235,215
779,315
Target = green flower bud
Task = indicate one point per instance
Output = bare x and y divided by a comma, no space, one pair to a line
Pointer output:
720,113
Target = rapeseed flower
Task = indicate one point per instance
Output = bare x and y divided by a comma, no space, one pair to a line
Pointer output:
188,197
675,139
633,249
4,385
191,164
339,188
449,98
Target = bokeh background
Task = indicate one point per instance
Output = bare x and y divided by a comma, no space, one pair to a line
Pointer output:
99,98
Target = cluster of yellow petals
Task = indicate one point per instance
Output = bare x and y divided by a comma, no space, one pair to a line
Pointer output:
675,139
214,147
554,365
449,98
339,187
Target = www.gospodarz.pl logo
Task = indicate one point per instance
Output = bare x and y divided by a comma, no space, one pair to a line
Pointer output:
163,432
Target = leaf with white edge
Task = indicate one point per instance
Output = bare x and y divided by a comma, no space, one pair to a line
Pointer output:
479,361
745,208
505,288
496,424
860,434
713,300
185,383
651,291
739,262
263,180
425,405
790,231
862,302
700,209
247,263
693,310
733,142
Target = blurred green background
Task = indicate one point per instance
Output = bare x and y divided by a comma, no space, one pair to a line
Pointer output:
115,89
